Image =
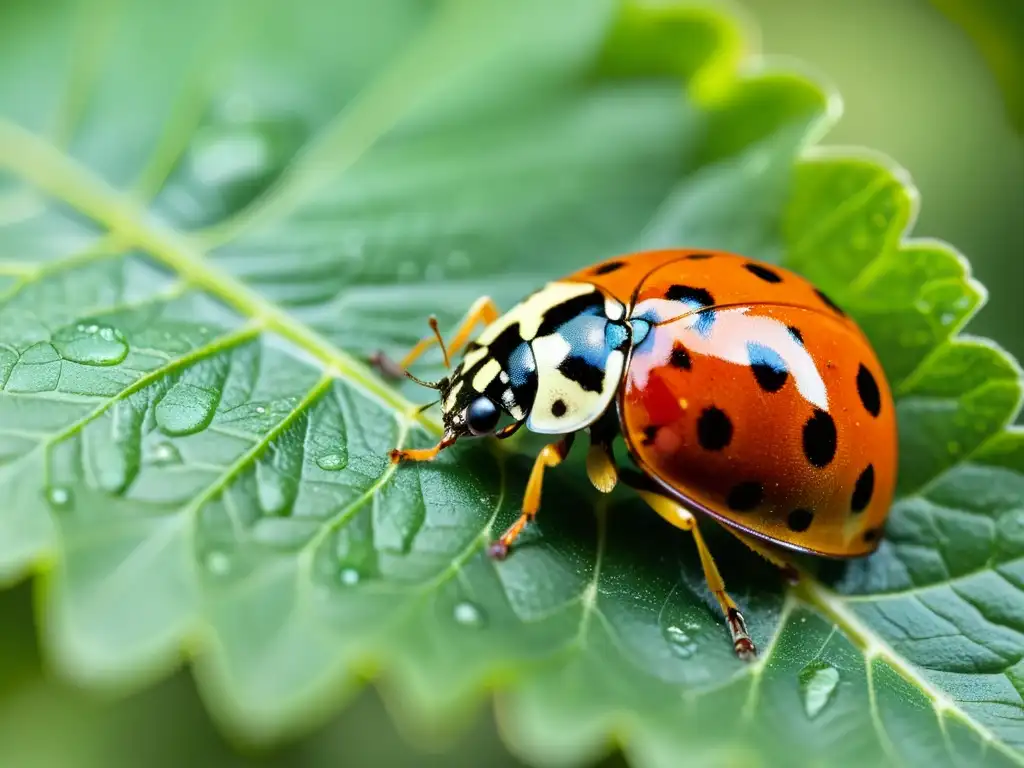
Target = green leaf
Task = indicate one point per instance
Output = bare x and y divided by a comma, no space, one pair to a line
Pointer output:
203,237
996,27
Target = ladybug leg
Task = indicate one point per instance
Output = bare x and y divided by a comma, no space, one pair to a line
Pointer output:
550,456
483,311
680,517
601,469
420,454
771,554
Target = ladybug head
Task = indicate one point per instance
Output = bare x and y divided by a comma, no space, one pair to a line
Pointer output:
482,391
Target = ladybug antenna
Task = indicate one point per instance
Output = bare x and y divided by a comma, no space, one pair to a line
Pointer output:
422,383
440,340
423,408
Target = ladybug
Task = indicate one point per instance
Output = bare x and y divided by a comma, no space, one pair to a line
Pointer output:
742,392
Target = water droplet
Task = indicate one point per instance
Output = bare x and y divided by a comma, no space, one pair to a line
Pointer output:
332,462
434,273
963,302
91,344
185,409
682,644
260,409
818,681
275,489
229,157
349,577
165,454
218,563
58,496
947,318
468,615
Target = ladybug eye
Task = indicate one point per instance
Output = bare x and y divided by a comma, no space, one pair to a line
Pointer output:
482,416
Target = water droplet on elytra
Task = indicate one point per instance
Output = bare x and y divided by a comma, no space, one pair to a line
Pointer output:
58,496
818,681
165,454
468,615
91,344
681,643
349,577
332,462
218,563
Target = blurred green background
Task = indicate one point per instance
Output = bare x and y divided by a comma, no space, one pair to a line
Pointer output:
915,87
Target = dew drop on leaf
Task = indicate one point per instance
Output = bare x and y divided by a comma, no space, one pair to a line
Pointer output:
185,409
218,563
230,156
165,454
276,491
349,577
91,344
332,462
818,681
468,615
260,410
682,644
58,496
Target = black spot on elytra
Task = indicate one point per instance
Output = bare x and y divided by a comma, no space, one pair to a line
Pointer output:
832,305
768,275
872,534
680,358
690,294
800,519
650,433
745,496
768,378
698,256
589,377
558,409
863,489
609,267
795,333
560,314
819,438
867,388
714,429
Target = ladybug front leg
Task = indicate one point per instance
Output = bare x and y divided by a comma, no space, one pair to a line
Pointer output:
550,456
